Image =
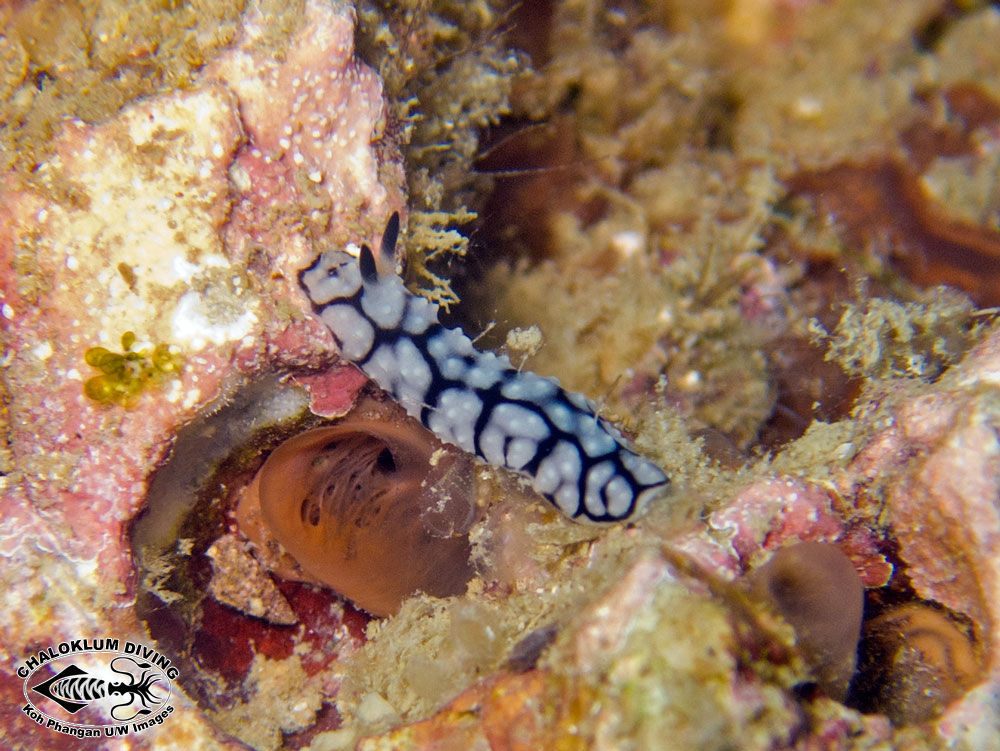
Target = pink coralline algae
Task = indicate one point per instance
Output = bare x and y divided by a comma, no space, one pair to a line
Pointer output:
939,460
184,219
772,513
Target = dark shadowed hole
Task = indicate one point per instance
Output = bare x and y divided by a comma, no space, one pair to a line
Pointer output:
384,462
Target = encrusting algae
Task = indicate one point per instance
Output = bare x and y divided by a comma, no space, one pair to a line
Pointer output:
102,56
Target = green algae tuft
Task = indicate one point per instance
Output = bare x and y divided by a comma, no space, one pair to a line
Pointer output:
125,375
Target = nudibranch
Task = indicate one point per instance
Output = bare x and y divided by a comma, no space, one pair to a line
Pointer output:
476,400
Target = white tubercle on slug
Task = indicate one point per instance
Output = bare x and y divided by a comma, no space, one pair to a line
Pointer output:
477,400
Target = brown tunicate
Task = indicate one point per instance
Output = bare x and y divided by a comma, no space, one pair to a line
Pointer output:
817,590
915,660
374,507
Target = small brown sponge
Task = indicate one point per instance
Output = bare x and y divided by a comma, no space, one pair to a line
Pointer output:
817,590
375,508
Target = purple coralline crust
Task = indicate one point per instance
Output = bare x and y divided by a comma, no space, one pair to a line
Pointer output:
771,513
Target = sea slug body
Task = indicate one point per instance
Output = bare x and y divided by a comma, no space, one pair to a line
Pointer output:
477,400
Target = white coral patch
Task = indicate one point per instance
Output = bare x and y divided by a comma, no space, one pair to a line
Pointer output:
153,219
43,351
186,271
194,323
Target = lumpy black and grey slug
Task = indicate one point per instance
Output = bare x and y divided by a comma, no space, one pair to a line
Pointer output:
477,400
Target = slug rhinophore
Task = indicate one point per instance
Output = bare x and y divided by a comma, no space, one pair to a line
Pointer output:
477,400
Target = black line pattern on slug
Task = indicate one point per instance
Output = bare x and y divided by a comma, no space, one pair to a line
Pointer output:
477,400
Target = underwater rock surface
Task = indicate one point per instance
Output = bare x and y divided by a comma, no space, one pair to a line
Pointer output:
184,218
674,261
